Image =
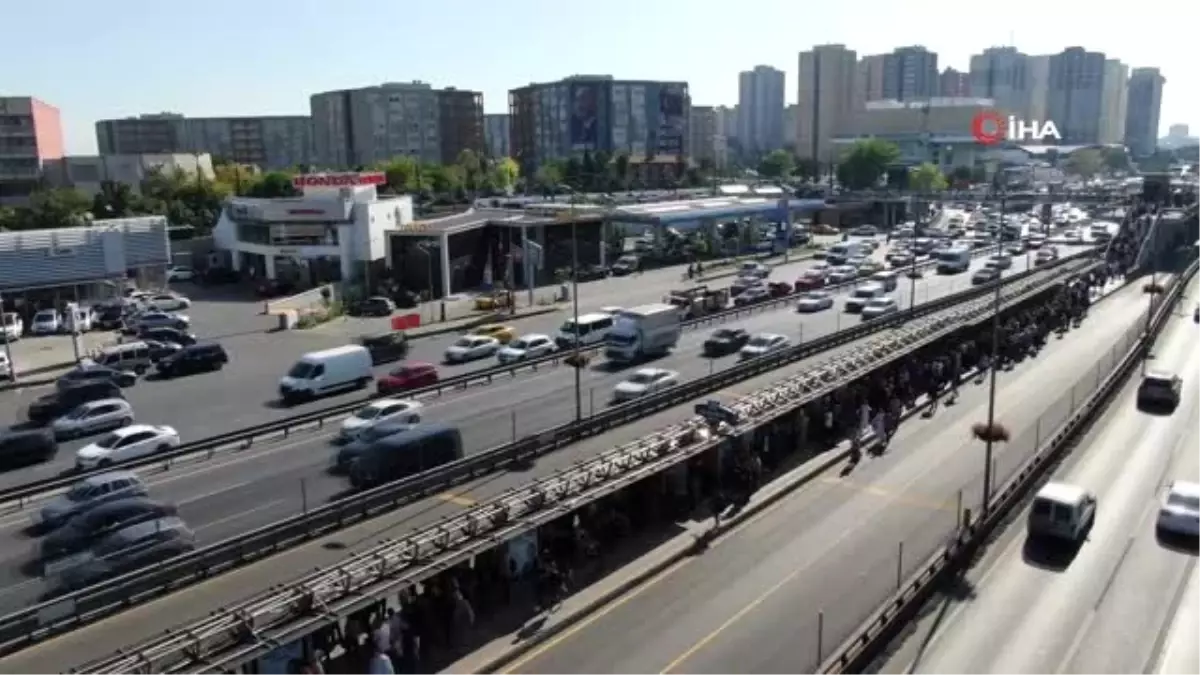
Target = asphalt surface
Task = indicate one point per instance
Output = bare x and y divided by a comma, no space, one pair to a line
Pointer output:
1108,605
233,503
796,579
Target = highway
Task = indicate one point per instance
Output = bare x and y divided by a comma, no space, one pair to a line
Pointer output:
238,492
97,640
797,578
1107,606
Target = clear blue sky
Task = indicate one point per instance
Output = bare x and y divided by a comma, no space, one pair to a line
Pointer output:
118,58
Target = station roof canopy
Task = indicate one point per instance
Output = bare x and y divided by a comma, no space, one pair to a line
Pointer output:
715,208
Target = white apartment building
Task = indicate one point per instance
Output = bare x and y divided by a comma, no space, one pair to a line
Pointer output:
760,109
1115,101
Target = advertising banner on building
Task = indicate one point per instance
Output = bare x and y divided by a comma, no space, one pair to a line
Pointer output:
585,114
672,118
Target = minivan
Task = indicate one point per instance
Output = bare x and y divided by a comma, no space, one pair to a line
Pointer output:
592,330
327,372
406,454
838,254
1061,511
133,356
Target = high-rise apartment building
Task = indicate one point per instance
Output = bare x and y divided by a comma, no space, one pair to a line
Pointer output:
1114,101
827,95
727,117
647,120
495,135
954,84
1006,76
707,139
910,74
270,142
869,80
354,127
30,134
1075,100
1142,111
1039,88
791,118
760,109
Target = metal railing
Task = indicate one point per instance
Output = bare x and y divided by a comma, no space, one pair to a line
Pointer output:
242,439
236,634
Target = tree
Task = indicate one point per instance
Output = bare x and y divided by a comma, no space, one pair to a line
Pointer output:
58,207
621,168
961,176
272,185
1116,159
776,164
472,168
1085,162
401,174
549,176
239,177
505,174
807,168
866,163
927,178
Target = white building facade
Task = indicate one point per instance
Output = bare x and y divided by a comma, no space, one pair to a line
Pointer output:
328,234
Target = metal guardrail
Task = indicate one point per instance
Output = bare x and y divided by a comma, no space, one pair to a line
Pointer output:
857,652
241,632
242,439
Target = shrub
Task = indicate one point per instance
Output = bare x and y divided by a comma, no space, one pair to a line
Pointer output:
1153,288
996,432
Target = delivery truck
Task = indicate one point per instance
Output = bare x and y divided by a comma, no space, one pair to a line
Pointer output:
643,332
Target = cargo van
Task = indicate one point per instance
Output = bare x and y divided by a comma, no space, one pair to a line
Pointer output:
405,454
889,280
327,372
592,330
1062,511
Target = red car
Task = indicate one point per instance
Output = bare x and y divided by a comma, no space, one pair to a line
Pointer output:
407,377
810,281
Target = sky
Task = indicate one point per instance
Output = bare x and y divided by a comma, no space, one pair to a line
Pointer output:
120,58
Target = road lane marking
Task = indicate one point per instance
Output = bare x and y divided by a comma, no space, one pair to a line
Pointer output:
240,514
893,495
460,500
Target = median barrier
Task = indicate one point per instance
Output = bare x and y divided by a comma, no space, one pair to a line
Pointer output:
399,562
865,644
19,497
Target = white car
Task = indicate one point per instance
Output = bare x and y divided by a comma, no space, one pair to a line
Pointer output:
525,347
763,343
823,268
645,381
168,302
135,440
842,274
383,410
180,274
471,347
1180,510
1000,261
46,322
163,320
92,417
879,307
814,301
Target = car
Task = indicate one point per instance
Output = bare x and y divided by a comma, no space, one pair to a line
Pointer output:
501,333
148,320
898,260
842,274
26,447
626,264
93,417
385,347
81,533
869,267
810,280
526,347
56,404
1000,261
814,301
1159,390
1180,510
470,348
779,289
46,322
87,494
985,275
375,306
754,269
742,283
176,336
857,262
1044,257
168,302
645,381
752,295
865,231
89,372
879,307
129,442
110,317
823,268
131,548
406,377
762,344
382,410
180,274
864,294
161,350
725,341
196,358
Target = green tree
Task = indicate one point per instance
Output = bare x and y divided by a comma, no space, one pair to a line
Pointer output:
806,168
58,207
401,174
9,218
621,170
505,174
776,164
472,169
866,163
116,200
239,177
961,176
1116,159
271,185
1085,162
927,178
549,175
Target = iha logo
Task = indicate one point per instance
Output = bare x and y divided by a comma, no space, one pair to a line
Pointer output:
990,128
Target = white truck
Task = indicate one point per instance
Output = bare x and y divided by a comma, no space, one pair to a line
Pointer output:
643,332
953,260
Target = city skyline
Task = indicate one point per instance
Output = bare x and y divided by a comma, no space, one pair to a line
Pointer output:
274,71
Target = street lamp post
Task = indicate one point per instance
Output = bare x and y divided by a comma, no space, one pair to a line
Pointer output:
577,348
995,363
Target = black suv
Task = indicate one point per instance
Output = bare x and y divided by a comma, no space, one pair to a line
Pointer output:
194,359
61,402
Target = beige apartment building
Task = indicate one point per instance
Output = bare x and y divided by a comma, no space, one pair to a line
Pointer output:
826,98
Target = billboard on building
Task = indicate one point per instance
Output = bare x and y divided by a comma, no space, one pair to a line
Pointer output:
672,118
585,114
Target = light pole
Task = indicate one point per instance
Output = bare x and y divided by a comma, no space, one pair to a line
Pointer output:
989,440
577,348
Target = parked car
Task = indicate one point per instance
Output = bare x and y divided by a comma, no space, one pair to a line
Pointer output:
168,302
90,372
374,306
150,320
129,442
176,336
46,322
180,274
93,417
407,377
197,358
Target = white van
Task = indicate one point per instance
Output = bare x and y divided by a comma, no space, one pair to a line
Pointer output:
838,254
889,280
592,330
11,326
1062,511
77,319
862,295
326,372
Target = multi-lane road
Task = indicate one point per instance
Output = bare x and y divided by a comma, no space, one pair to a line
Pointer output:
1117,604
201,491
786,587
241,491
